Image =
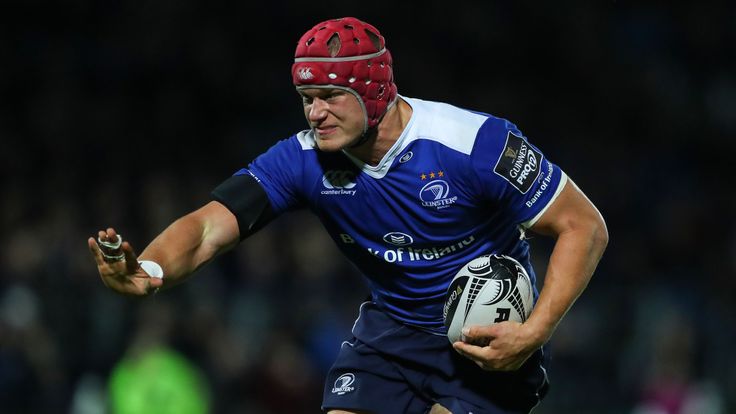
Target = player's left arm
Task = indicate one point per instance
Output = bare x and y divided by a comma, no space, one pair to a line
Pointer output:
581,237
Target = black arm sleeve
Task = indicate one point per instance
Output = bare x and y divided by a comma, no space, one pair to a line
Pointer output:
247,200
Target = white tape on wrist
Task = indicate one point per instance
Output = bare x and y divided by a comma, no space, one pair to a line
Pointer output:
152,268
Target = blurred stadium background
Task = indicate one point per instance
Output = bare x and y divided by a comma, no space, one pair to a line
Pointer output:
127,114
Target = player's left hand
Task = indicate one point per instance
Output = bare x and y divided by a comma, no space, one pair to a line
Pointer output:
507,345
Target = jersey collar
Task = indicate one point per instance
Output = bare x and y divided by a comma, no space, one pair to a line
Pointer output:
381,169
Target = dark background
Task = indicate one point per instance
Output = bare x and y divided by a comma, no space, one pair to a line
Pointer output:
127,114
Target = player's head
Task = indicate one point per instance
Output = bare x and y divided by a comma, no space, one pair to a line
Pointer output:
349,55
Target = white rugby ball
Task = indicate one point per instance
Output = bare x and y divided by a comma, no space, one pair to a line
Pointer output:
487,290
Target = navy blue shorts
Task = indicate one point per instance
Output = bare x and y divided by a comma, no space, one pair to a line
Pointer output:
389,367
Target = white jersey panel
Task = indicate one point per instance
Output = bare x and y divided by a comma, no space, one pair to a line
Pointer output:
448,125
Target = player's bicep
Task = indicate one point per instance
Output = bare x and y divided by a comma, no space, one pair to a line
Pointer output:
219,227
570,210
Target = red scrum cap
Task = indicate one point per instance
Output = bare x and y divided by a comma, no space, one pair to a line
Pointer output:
347,54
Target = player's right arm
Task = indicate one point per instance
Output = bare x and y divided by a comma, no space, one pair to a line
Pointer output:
241,205
182,248
192,241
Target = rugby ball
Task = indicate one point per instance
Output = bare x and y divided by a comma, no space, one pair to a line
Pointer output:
487,290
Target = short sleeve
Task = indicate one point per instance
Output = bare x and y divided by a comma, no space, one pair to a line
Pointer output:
279,172
513,173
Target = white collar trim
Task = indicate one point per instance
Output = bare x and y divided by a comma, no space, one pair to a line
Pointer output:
381,169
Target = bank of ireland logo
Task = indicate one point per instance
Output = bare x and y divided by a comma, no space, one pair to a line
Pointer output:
343,384
398,238
338,182
436,194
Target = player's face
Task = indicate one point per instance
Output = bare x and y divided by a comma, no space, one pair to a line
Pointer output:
335,116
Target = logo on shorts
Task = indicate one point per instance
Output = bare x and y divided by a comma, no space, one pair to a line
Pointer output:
436,194
343,384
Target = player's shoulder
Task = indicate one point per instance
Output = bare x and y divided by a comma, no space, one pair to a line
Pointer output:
299,154
458,128
289,153
297,145
300,141
305,139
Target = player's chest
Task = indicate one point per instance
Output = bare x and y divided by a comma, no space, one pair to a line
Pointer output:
419,197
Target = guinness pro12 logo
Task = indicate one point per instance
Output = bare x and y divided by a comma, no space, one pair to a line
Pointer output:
519,163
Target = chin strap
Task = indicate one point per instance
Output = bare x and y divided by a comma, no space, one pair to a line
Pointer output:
372,131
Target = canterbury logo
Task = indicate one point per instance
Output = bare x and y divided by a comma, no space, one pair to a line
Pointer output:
338,179
305,73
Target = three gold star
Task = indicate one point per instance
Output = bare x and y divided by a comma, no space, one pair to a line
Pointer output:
432,174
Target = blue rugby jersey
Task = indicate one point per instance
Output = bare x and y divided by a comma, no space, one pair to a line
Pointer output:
456,185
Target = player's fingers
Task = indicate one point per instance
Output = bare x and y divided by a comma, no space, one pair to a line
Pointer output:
109,243
473,352
95,250
475,331
479,334
483,357
131,259
465,350
155,282
151,284
109,239
112,235
108,236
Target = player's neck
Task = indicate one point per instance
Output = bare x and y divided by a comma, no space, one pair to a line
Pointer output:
385,135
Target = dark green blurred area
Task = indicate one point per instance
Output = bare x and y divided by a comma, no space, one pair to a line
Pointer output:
127,114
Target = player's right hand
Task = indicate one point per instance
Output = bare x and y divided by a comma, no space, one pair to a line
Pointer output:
119,268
